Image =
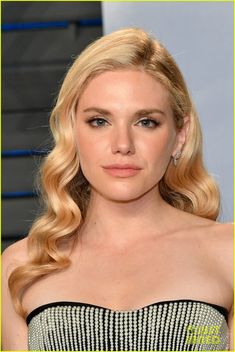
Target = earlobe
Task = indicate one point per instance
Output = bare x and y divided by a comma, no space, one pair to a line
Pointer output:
176,157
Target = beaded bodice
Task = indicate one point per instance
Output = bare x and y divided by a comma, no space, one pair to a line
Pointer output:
178,325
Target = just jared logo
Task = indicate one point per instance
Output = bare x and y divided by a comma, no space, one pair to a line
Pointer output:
203,334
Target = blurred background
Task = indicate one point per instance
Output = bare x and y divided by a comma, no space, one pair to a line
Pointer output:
40,41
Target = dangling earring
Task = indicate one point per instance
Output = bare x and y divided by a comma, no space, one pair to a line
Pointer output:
176,157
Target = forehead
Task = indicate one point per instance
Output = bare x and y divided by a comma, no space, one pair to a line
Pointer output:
125,87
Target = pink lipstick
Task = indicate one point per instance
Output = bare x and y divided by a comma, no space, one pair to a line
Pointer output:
122,170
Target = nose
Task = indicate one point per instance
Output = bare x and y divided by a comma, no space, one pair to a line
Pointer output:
122,141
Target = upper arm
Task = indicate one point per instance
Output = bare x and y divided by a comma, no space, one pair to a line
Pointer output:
14,327
224,254
229,255
231,329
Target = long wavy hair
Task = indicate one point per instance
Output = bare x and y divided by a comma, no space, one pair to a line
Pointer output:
64,190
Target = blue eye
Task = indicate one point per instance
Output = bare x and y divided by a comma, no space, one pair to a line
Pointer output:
97,122
149,123
100,122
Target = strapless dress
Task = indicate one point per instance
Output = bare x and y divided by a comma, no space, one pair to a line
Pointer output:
172,325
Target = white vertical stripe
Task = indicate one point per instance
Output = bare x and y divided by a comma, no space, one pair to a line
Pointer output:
83,327
106,326
159,319
92,333
116,330
96,326
126,331
70,327
130,330
78,327
74,329
154,331
87,323
144,328
140,325
135,331
111,331
51,328
122,332
100,344
180,326
185,346
45,330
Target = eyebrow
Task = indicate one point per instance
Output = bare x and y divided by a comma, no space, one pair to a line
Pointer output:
137,113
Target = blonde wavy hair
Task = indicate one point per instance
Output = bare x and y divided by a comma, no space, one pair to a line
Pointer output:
65,191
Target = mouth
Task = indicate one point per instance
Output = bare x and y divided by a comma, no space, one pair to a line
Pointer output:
119,170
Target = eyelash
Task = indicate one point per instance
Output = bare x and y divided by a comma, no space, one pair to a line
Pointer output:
90,121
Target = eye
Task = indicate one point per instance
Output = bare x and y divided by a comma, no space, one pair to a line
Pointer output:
149,123
97,122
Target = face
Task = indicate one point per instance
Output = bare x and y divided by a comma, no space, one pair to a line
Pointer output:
125,134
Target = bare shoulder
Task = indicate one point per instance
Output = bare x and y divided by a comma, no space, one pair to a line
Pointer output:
14,328
220,238
216,233
224,233
217,237
217,240
14,256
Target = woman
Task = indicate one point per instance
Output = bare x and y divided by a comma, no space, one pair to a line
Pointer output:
127,254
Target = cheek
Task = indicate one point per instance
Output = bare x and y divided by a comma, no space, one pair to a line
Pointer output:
84,149
84,142
159,147
90,151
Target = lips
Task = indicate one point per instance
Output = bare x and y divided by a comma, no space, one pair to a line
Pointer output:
122,170
122,166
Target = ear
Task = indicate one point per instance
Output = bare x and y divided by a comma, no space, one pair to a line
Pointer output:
181,136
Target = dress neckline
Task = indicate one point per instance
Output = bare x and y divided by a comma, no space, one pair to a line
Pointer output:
39,309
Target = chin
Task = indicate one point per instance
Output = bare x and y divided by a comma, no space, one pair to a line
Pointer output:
120,195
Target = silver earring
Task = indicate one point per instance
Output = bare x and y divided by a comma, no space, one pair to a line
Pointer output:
176,157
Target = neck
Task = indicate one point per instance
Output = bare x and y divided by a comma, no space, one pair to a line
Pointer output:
120,224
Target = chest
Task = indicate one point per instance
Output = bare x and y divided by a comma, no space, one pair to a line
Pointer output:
133,278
